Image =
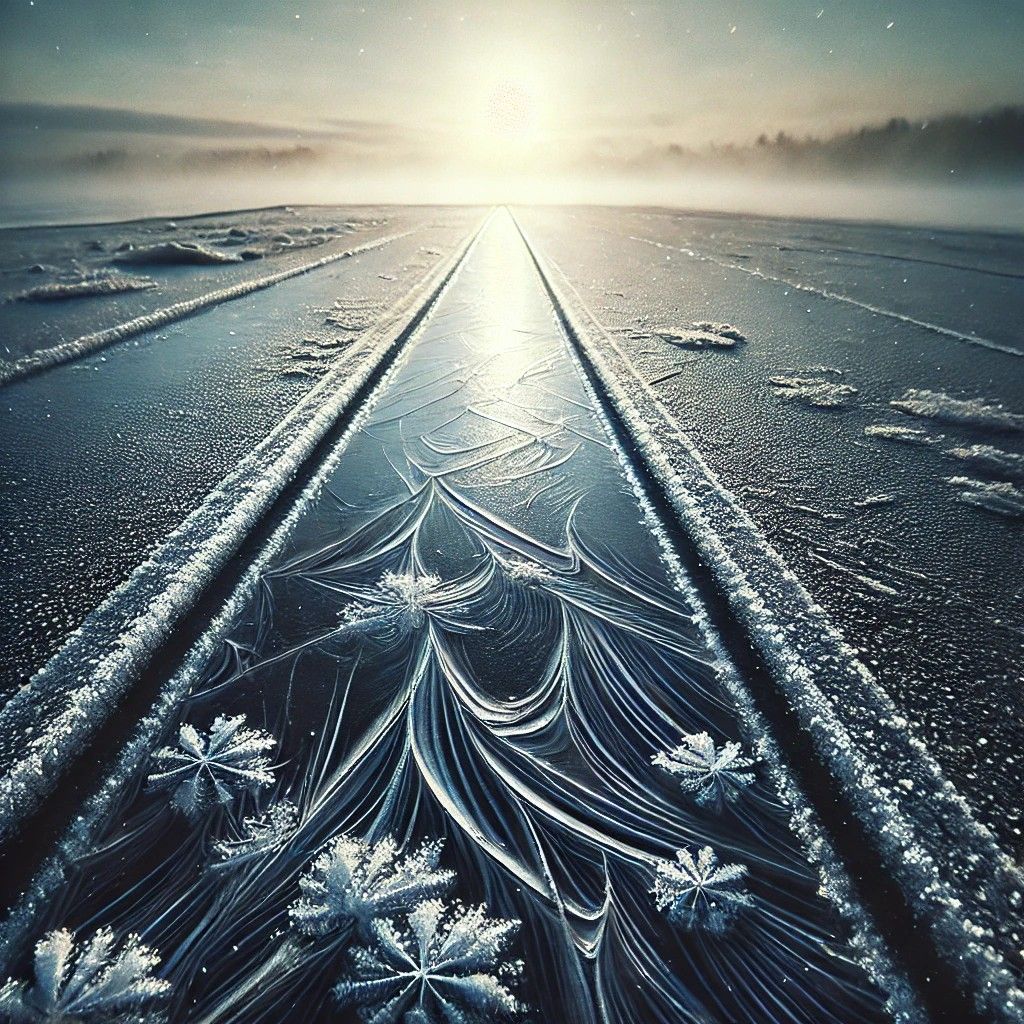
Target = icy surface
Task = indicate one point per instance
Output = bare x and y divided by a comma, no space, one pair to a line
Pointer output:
104,456
475,630
250,244
928,585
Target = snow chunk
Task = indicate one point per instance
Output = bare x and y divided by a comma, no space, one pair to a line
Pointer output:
971,412
171,253
99,284
1002,498
892,432
703,334
816,391
991,460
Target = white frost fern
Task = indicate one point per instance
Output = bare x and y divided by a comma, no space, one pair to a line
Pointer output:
526,572
203,770
98,982
258,835
353,882
402,600
699,893
714,775
447,967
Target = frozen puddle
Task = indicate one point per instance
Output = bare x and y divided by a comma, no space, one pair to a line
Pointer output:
474,662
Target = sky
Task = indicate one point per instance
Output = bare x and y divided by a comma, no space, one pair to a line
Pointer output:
491,89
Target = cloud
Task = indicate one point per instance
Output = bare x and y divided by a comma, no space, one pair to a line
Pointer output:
66,117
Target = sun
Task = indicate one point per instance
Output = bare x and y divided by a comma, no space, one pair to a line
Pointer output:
511,110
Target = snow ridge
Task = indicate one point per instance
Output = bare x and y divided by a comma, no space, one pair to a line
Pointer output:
36,362
958,881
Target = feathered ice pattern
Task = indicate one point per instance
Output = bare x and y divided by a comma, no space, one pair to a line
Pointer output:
258,834
203,770
96,982
699,893
713,774
401,599
447,967
353,882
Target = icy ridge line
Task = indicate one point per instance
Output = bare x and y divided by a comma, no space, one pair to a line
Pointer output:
67,351
826,293
45,726
22,921
957,880
868,947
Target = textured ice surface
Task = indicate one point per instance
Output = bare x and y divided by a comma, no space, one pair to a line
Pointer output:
926,587
105,455
38,257
421,683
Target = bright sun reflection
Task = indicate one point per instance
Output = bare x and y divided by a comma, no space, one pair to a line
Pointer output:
506,130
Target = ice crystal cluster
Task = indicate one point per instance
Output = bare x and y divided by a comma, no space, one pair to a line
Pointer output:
712,774
95,981
699,893
259,834
353,882
520,570
401,599
203,770
446,966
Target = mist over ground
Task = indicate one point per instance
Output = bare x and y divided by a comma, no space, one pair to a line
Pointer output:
82,163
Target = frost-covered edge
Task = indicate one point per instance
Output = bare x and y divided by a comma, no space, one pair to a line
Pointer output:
45,726
66,351
957,880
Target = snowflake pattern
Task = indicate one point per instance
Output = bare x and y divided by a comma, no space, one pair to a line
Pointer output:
202,770
96,982
714,775
698,893
353,882
447,967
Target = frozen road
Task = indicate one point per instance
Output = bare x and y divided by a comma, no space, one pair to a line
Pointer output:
573,496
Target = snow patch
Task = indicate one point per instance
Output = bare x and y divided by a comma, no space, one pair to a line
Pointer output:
969,412
1002,498
893,432
99,284
175,253
815,391
991,460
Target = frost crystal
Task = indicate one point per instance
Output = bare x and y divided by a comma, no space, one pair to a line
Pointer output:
202,770
714,775
353,882
258,834
697,893
447,967
401,598
99,983
525,572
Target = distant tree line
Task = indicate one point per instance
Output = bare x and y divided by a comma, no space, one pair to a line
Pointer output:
972,146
